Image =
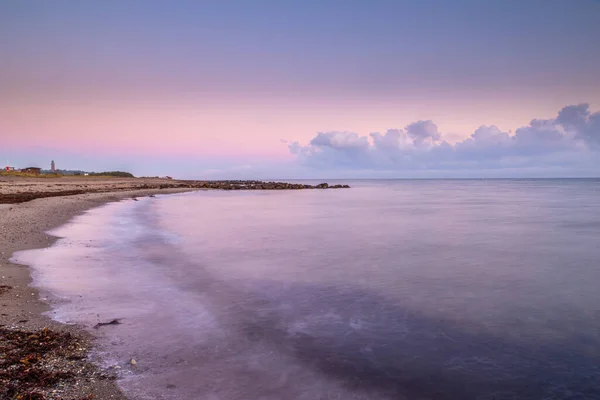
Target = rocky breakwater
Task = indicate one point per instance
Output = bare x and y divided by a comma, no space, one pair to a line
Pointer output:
12,192
260,185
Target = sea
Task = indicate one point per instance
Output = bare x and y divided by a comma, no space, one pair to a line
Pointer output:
393,289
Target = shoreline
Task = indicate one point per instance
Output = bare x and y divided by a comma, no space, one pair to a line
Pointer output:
14,190
23,226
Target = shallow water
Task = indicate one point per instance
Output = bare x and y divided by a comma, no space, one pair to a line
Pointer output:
467,289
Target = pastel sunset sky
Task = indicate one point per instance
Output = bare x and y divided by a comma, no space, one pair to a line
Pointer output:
276,89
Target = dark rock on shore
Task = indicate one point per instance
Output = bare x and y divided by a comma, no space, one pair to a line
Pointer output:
259,185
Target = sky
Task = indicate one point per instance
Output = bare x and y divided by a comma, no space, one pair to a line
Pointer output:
281,89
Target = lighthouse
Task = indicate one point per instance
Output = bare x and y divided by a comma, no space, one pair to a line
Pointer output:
53,166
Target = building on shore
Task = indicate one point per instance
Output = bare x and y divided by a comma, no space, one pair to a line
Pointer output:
52,166
32,170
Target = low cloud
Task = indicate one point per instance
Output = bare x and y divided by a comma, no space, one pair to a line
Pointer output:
569,141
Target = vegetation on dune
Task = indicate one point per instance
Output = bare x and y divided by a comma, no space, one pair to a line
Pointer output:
119,174
59,173
26,174
63,172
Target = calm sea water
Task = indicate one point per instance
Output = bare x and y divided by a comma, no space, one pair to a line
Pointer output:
475,289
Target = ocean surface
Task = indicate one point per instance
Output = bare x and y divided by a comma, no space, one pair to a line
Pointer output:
411,289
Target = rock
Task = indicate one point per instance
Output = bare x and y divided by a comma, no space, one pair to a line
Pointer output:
113,322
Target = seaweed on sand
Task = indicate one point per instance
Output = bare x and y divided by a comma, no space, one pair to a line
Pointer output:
5,288
36,364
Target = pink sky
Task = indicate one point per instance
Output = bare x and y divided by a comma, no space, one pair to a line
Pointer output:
248,127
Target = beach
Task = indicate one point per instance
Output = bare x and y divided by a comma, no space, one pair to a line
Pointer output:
30,207
23,226
15,189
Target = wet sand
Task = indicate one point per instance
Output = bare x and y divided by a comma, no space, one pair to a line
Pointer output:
23,227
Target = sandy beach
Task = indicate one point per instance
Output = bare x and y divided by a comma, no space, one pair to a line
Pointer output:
23,227
15,189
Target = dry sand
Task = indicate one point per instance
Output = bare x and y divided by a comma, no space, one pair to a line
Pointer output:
23,227
15,189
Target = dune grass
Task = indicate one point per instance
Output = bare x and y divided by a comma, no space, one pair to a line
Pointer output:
27,175
108,174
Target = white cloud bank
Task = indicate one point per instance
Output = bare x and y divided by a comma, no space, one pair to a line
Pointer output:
569,144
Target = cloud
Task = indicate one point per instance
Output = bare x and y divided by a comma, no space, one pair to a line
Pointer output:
340,140
571,140
422,131
579,120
